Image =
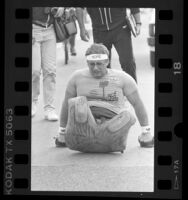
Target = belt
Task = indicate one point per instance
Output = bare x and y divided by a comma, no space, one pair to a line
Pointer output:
42,25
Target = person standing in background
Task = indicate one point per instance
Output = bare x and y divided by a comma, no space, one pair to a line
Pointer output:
72,42
72,39
44,59
110,28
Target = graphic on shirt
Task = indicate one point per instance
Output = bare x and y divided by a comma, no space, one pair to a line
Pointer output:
108,92
103,84
112,96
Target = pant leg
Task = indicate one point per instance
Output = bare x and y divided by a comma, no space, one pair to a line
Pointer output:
103,37
123,45
48,51
36,62
72,41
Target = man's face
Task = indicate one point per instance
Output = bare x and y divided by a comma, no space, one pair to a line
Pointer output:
98,68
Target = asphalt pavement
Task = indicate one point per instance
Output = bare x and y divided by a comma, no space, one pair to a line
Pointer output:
62,169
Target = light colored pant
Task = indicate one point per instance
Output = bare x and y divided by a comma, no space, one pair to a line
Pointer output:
44,59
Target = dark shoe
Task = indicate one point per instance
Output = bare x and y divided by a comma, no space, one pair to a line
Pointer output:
59,144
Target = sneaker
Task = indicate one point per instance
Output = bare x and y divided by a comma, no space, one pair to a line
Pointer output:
34,109
51,115
60,142
146,140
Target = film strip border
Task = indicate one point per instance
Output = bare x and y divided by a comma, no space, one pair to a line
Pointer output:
169,108
168,103
17,112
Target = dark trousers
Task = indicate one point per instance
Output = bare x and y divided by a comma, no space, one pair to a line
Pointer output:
121,39
72,40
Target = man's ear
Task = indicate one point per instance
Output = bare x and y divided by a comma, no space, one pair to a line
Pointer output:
107,62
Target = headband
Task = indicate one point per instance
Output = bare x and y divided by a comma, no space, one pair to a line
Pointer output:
93,57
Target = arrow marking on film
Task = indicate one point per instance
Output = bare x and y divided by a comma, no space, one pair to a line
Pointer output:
176,184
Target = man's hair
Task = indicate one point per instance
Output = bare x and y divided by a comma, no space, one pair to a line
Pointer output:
97,49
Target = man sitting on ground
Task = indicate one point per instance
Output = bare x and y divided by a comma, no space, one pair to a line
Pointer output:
94,107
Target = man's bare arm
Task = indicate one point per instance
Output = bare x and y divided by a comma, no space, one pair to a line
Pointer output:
69,93
64,110
139,108
130,90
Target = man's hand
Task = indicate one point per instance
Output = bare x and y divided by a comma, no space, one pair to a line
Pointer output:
84,34
138,22
138,29
72,12
57,11
146,139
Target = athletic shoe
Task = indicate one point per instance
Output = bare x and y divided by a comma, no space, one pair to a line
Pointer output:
146,140
59,143
51,115
34,109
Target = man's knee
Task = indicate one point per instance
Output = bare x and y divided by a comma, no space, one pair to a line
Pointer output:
123,121
82,114
80,108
